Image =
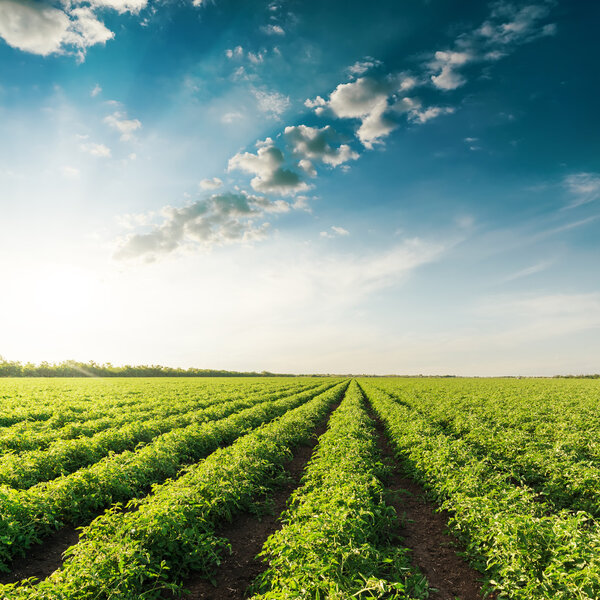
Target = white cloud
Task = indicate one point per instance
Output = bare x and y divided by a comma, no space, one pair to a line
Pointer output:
70,172
363,275
220,219
544,316
584,187
230,117
211,184
527,271
42,29
267,165
312,143
422,116
360,67
272,103
318,103
124,126
121,6
99,150
447,62
307,166
32,27
95,91
507,26
236,52
365,99
335,232
257,57
376,102
273,30
361,97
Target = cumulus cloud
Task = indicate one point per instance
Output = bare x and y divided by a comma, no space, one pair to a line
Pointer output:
314,144
211,184
447,62
584,187
42,29
96,90
378,103
126,127
220,219
267,166
365,99
272,103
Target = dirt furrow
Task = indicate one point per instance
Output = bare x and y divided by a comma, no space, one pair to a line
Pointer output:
424,531
247,533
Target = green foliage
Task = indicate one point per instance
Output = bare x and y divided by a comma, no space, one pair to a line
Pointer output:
27,515
529,549
139,554
337,542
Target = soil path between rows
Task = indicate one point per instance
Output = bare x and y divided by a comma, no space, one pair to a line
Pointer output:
247,534
42,559
424,531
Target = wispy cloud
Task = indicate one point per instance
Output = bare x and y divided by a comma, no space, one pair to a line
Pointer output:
526,272
99,150
533,317
271,103
583,188
273,29
334,231
508,26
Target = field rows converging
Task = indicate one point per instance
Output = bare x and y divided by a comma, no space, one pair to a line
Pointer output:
183,471
27,515
34,435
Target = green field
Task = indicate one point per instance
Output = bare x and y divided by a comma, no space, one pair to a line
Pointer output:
154,469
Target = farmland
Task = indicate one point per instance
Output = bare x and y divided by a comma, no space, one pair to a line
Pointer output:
158,488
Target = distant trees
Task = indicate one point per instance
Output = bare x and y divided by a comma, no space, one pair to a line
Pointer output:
72,368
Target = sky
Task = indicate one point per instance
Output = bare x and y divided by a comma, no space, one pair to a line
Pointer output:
301,186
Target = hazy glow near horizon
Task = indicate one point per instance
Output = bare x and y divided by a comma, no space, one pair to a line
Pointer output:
291,187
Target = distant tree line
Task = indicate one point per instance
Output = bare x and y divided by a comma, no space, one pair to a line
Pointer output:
591,376
72,368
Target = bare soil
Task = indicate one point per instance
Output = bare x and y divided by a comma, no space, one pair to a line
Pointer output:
247,534
41,560
424,530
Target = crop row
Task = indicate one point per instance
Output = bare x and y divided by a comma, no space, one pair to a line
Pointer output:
139,554
24,470
337,538
38,435
528,552
27,515
564,478
58,402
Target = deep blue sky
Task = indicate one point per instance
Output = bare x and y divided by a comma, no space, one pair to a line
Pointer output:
302,185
